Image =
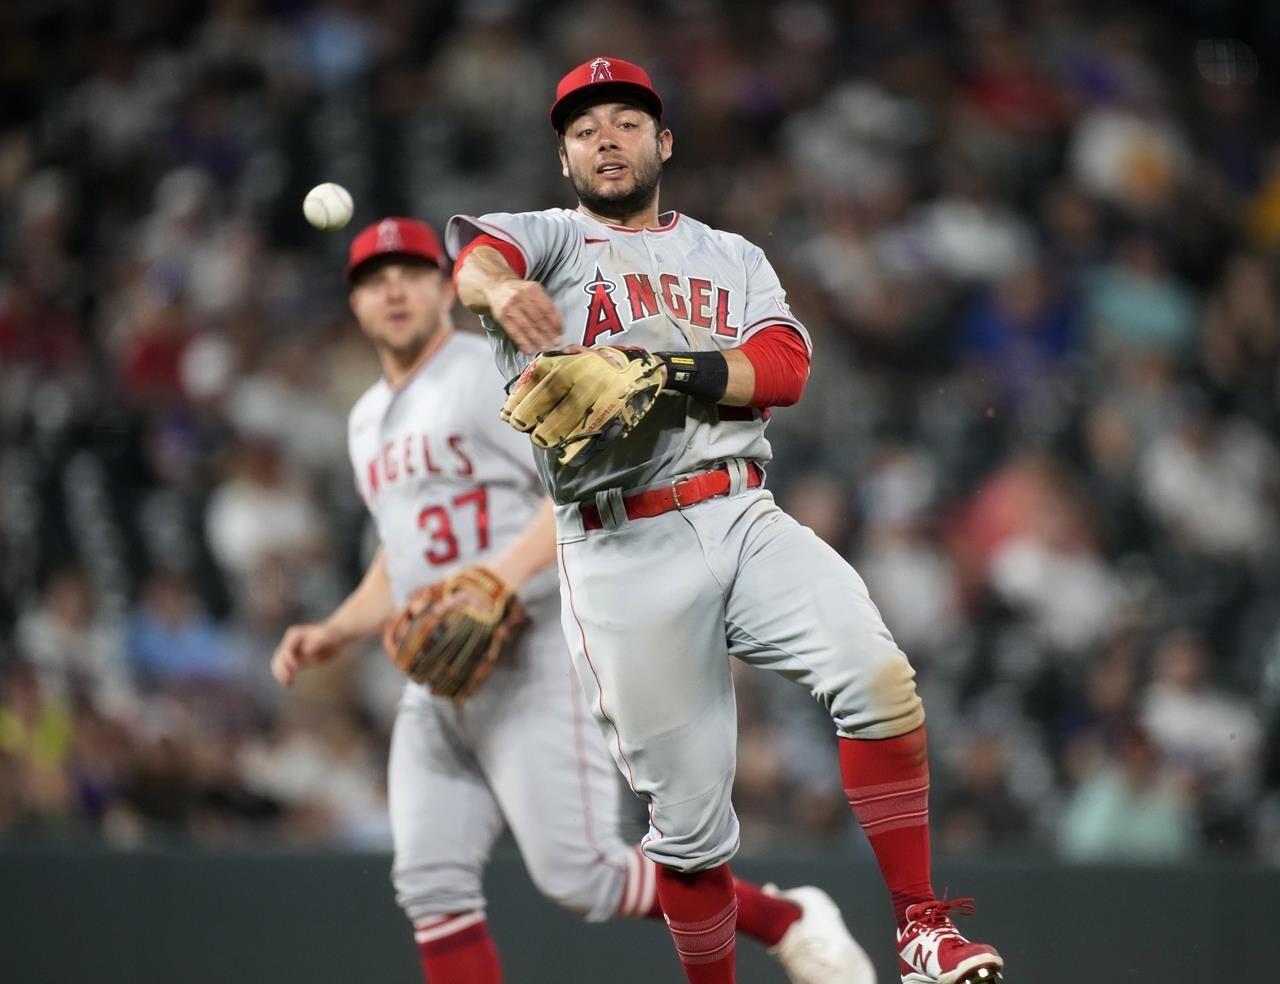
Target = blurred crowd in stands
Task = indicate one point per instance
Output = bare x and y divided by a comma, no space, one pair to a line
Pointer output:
1037,245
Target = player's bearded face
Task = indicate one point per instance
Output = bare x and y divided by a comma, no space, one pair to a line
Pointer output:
399,305
613,156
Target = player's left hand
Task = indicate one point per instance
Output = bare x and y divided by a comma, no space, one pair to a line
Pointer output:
450,634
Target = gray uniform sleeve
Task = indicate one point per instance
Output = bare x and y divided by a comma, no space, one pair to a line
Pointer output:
766,300
544,239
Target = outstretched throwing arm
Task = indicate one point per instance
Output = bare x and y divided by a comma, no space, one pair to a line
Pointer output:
488,286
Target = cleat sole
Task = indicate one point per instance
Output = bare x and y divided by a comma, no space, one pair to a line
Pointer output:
979,975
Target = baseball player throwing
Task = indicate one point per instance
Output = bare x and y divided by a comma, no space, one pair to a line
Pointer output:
495,729
669,343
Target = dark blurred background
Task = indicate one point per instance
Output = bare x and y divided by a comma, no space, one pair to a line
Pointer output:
1037,245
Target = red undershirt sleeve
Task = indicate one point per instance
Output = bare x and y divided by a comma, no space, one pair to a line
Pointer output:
781,361
509,253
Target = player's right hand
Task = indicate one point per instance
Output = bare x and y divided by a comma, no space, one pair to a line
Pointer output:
301,647
526,314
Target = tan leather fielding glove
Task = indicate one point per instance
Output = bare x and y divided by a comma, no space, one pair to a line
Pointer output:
577,403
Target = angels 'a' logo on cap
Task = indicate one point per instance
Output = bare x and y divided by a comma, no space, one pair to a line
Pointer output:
389,236
600,71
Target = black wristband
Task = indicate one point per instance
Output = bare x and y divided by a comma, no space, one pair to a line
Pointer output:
703,375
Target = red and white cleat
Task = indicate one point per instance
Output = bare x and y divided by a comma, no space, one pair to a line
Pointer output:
932,951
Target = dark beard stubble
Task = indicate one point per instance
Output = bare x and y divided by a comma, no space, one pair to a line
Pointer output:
644,189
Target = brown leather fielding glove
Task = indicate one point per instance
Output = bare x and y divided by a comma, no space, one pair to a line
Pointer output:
450,634
577,403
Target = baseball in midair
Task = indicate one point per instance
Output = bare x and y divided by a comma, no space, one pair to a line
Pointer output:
328,206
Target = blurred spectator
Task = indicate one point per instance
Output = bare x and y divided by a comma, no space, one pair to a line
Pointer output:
318,761
998,508
1018,337
1007,86
285,404
261,510
1111,453
1130,809
910,579
978,812
185,242
1263,212
152,335
35,744
1074,245
119,104
1210,735
1138,310
1096,723
972,234
73,651
33,331
337,42
1212,482
1054,573
822,504
171,640
912,583
1136,155
1240,345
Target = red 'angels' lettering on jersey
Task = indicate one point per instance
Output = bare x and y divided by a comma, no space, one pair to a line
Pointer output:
699,302
671,296
644,302
415,455
692,299
602,313
455,444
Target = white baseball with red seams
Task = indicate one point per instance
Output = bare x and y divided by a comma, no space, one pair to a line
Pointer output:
328,206
652,607
449,485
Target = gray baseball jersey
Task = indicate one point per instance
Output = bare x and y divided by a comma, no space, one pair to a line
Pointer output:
681,286
650,607
449,485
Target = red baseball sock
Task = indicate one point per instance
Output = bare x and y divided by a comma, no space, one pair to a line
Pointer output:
887,784
701,911
765,918
457,949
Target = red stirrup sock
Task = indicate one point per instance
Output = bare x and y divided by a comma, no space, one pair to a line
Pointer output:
701,911
765,918
887,784
457,949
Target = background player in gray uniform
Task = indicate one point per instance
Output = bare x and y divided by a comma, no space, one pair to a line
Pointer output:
671,554
448,485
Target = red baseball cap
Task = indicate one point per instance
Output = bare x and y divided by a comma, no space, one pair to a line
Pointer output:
404,237
599,80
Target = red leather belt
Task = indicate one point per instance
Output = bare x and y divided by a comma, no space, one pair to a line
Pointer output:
677,495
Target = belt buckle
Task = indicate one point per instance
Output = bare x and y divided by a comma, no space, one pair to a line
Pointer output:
675,493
